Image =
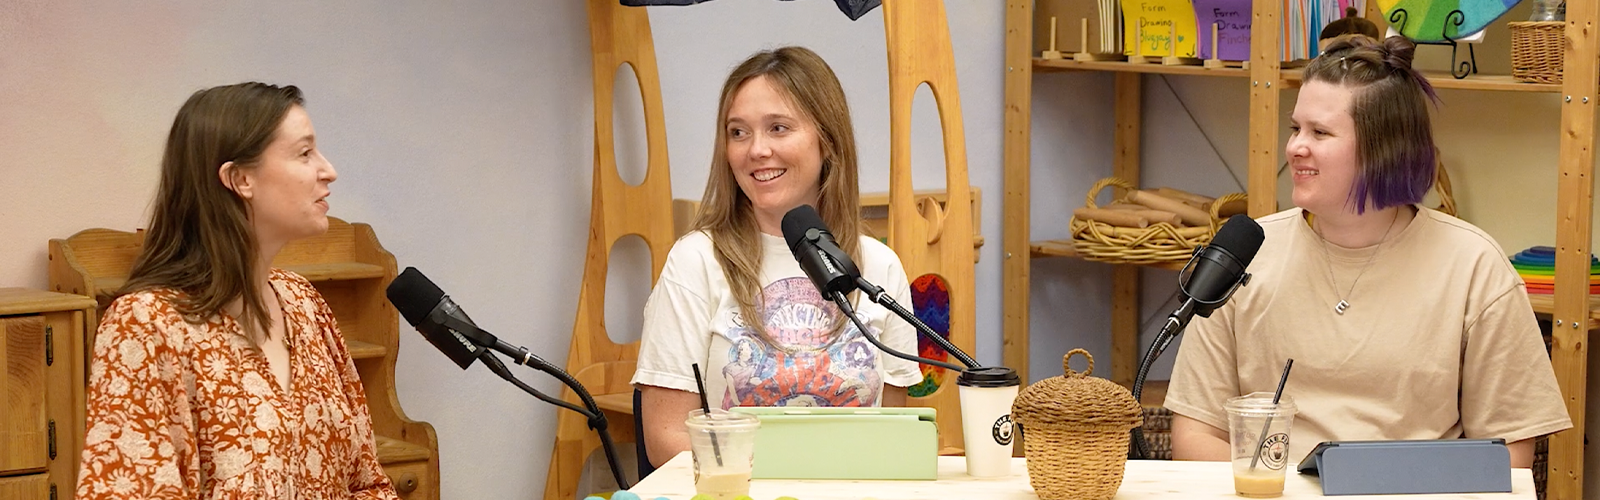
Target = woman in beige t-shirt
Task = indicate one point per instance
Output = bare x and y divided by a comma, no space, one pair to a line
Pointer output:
1404,323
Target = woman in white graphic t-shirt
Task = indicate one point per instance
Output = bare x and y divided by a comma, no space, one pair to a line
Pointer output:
784,139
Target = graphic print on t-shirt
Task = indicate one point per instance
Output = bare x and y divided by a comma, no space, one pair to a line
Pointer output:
809,370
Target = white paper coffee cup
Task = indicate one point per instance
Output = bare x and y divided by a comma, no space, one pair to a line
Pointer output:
986,396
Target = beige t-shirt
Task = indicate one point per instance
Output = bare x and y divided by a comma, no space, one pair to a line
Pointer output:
1438,342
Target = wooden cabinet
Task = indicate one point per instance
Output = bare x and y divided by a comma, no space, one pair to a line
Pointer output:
350,269
42,380
1571,310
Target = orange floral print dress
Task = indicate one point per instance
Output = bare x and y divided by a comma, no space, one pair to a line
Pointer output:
187,410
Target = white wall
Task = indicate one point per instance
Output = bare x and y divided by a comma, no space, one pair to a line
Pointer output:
462,132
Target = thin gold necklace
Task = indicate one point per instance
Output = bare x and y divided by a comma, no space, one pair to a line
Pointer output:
1344,303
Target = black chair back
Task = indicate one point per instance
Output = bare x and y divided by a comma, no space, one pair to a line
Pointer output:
638,436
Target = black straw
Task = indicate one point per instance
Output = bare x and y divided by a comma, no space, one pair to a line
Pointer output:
1282,380
706,408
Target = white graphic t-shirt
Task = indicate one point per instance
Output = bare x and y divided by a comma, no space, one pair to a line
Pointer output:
692,317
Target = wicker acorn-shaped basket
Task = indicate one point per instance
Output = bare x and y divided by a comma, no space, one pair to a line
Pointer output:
1075,433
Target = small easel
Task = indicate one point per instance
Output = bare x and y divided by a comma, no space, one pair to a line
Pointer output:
1083,41
1172,58
1138,56
1052,53
1216,62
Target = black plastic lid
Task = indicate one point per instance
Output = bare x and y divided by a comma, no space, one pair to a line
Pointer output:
989,376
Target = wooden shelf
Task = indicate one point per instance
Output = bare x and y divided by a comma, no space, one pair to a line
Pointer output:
620,403
391,450
337,271
1057,65
1440,80
364,350
1544,305
314,273
14,301
1063,248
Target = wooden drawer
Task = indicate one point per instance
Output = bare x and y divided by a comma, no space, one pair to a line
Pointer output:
20,487
23,437
411,480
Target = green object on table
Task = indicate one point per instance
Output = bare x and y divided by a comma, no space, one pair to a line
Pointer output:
845,443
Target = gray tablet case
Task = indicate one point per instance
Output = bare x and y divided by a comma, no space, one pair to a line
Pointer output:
1428,466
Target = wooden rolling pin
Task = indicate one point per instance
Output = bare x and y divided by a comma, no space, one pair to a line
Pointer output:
1188,198
1151,215
1119,218
1190,215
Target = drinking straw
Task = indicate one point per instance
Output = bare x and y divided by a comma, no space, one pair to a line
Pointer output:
1275,397
706,408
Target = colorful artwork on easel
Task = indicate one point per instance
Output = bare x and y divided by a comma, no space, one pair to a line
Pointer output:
1436,20
1159,28
930,300
1229,20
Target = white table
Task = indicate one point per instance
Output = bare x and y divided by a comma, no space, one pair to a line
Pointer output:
1144,479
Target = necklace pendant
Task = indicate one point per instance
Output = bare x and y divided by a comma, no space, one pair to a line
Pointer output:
1341,307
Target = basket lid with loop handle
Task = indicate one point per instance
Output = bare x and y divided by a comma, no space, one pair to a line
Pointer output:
1076,399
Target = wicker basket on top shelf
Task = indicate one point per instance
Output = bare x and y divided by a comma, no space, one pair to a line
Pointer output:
1537,48
1153,244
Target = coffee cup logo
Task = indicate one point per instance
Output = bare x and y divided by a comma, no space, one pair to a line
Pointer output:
1275,450
1002,430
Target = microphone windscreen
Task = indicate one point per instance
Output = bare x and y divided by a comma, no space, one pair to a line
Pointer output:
797,221
414,295
1241,236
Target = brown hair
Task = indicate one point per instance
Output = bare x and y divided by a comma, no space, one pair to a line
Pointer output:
1394,134
200,241
725,212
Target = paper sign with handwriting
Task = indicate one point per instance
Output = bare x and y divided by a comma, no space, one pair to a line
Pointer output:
1155,23
1232,21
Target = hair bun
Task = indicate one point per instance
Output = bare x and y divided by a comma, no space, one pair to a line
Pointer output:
1350,12
1398,51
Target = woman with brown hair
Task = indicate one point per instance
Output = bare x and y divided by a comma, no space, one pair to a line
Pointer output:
731,297
1404,322
215,375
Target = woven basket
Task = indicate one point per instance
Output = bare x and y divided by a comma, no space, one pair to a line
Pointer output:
1536,51
1160,242
1075,433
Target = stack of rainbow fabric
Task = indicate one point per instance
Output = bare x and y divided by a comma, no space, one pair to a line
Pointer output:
1537,267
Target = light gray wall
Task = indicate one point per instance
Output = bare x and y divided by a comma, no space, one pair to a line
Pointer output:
463,134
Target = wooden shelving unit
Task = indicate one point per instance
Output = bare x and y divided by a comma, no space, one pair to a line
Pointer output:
350,269
1572,311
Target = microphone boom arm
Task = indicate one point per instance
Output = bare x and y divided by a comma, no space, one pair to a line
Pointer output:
596,418
878,295
849,312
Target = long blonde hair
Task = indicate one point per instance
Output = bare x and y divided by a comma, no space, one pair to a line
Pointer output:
725,212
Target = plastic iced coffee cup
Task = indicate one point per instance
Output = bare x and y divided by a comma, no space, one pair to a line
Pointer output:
1258,432
723,444
986,395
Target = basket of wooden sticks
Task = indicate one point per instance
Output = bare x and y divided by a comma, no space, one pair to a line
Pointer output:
1148,226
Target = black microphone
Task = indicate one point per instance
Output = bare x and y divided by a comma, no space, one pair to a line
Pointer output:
428,309
818,253
835,275
1207,281
1218,267
448,328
